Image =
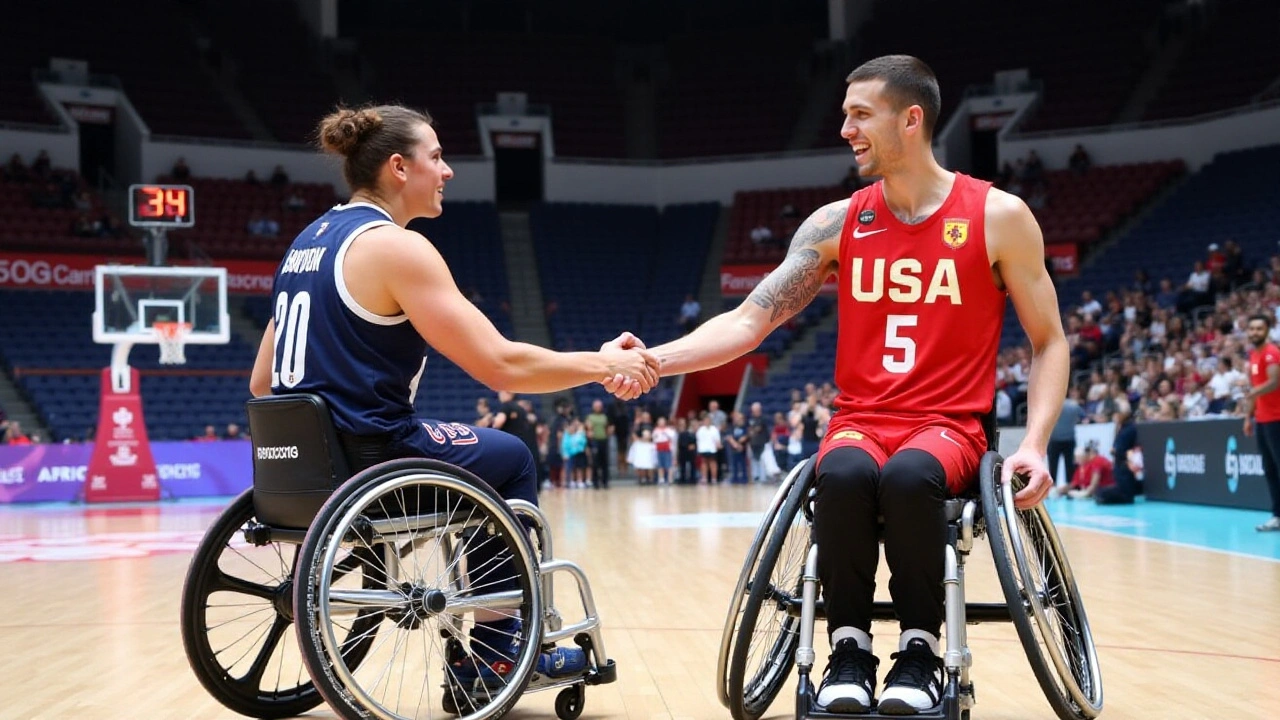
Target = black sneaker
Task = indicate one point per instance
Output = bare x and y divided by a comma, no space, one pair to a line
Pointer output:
848,684
915,682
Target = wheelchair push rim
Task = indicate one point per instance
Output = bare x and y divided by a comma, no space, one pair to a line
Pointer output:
1037,577
742,590
419,667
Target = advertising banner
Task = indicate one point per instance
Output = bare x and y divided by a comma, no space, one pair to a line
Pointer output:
51,271
1065,258
56,473
740,280
1208,462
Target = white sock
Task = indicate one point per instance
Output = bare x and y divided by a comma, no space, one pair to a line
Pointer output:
909,635
843,633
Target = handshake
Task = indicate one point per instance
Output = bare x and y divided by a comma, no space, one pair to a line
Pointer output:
633,370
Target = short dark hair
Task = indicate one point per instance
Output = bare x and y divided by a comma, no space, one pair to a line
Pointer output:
907,81
1266,319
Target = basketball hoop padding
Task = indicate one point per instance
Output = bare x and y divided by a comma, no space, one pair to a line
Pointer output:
172,336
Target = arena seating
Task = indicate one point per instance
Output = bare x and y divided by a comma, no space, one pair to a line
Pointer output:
276,64
1210,75
575,75
609,268
26,226
148,45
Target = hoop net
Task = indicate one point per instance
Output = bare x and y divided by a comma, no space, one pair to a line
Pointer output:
172,335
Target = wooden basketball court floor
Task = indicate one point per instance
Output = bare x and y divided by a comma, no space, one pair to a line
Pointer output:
1186,625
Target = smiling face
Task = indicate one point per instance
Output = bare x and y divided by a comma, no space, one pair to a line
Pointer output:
424,174
876,129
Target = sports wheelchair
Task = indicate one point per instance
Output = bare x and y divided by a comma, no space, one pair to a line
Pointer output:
383,572
771,618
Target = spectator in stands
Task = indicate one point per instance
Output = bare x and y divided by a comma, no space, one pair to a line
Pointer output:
1033,171
1194,403
1142,282
209,435
686,453
1079,162
1089,305
279,177
1195,292
83,227
709,446
42,167
1216,259
15,171
1236,269
690,311
759,432
665,438
1006,176
1004,407
180,171
790,217
599,430
251,178
1166,296
83,202
110,227
761,235
484,414
1038,198
263,227
233,433
13,434
735,441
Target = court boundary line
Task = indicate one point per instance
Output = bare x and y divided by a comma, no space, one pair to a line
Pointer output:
1175,543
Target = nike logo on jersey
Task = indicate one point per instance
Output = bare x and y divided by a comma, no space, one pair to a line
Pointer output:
949,439
858,234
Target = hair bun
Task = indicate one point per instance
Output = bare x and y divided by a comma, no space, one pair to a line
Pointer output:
343,131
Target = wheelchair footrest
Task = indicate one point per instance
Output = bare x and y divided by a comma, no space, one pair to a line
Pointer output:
938,713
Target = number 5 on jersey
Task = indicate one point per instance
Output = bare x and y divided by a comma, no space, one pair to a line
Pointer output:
288,367
894,341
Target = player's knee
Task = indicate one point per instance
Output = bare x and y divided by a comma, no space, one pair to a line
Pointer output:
847,472
912,474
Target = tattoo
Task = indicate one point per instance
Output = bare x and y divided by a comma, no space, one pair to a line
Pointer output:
913,220
823,224
787,290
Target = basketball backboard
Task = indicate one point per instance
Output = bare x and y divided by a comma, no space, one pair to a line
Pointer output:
130,299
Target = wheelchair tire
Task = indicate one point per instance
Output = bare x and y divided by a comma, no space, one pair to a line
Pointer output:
751,689
425,597
742,589
238,690
1043,599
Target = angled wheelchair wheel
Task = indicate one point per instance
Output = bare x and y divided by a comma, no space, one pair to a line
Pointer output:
768,629
237,606
445,547
1043,598
738,600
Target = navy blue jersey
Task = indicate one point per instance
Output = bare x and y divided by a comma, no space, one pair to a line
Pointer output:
366,366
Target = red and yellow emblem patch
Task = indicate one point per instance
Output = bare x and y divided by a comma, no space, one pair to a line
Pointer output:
955,232
848,435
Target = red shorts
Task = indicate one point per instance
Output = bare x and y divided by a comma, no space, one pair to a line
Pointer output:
957,442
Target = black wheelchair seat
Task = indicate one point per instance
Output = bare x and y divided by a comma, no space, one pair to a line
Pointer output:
297,459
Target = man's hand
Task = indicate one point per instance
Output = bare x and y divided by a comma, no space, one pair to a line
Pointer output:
623,385
1030,467
1248,427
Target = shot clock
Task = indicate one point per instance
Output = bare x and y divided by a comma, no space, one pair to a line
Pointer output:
162,206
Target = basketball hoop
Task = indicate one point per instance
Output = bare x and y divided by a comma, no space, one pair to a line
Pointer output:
171,336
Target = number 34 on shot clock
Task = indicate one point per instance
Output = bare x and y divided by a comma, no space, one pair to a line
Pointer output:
162,206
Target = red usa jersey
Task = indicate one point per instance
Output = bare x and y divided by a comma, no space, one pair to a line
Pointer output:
1267,407
919,313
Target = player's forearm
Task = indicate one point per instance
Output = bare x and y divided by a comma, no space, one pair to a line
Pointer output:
1046,389
525,368
714,343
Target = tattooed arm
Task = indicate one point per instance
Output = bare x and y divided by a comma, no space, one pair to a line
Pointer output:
813,255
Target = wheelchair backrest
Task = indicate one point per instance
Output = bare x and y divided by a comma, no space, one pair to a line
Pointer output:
297,459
